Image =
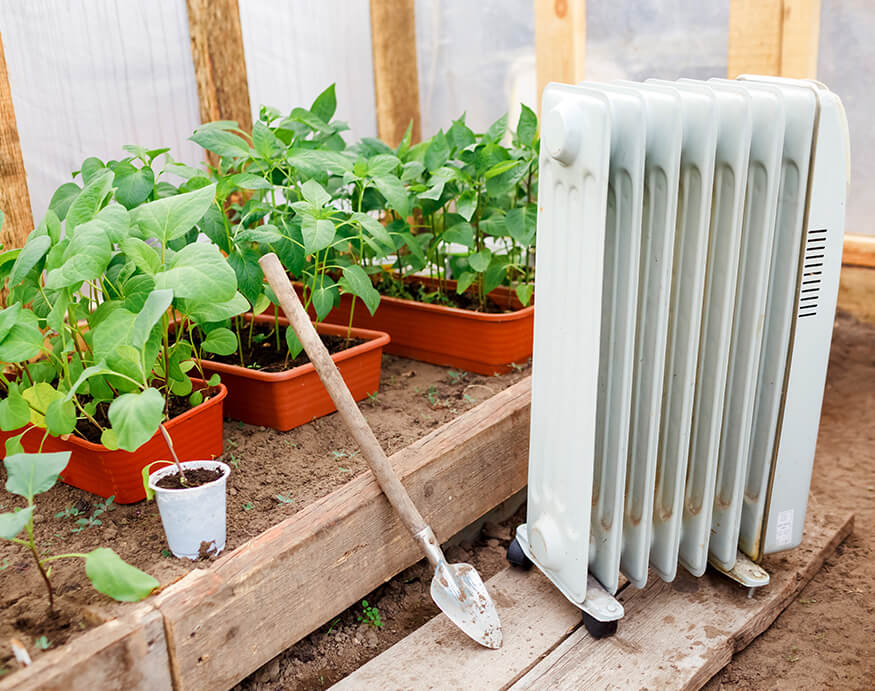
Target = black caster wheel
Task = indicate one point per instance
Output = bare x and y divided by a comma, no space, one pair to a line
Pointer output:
599,629
517,557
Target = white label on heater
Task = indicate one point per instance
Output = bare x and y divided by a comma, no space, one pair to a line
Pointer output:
784,528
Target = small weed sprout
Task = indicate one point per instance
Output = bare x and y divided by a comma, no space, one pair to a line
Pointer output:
100,508
69,512
248,506
456,376
370,615
43,643
284,498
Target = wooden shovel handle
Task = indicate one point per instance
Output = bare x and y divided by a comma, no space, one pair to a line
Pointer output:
337,389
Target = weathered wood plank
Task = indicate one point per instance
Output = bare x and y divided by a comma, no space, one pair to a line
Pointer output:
127,653
678,635
534,618
755,37
14,197
560,41
800,36
856,292
396,77
219,61
859,250
266,595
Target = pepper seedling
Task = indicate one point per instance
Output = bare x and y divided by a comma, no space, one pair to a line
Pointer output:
29,474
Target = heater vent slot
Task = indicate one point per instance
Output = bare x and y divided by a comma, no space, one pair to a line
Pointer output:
812,272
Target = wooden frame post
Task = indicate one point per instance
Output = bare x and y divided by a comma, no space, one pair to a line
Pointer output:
14,197
560,41
219,62
396,76
774,37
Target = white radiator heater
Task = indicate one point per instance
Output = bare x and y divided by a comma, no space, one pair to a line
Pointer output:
689,248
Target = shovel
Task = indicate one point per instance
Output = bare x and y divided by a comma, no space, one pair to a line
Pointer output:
456,589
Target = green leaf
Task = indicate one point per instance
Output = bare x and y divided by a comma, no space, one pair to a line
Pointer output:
521,223
250,181
438,151
63,197
60,417
116,222
393,190
357,282
375,229
170,218
319,163
32,252
325,104
14,411
250,279
479,261
144,256
502,167
497,129
214,380
263,235
85,207
220,341
135,417
13,522
460,135
265,141
464,281
8,319
461,233
24,340
209,312
91,166
382,164
39,396
154,308
293,343
85,258
109,439
325,297
29,474
495,273
411,171
133,185
220,141
196,398
524,293
314,193
466,204
111,575
199,272
527,126
111,332
318,233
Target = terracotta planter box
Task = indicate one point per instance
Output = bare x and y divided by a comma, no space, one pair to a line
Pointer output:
284,400
196,434
464,339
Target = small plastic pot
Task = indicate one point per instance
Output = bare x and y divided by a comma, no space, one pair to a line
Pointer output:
193,518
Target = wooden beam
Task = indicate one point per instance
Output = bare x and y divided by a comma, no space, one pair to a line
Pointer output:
14,197
774,37
225,622
560,41
859,250
219,62
127,653
396,76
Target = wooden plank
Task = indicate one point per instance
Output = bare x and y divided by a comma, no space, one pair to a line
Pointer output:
774,37
535,617
701,623
859,250
266,595
127,653
396,77
856,292
800,36
219,61
560,41
755,37
14,197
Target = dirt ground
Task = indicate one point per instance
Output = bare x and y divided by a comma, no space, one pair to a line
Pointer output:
274,475
825,638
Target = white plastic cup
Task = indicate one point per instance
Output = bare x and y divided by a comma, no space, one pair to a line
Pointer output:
193,516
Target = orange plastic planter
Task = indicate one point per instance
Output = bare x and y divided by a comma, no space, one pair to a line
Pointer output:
284,400
196,434
464,339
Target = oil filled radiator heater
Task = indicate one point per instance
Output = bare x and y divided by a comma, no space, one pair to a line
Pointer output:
689,248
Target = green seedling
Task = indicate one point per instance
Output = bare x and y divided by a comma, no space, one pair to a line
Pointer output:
166,553
99,509
333,624
284,498
374,397
455,376
248,506
69,512
370,615
4,565
43,643
29,474
235,461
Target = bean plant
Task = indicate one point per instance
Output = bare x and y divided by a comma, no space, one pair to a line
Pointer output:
29,474
96,337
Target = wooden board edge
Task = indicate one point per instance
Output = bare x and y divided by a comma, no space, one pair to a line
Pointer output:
92,660
455,474
859,250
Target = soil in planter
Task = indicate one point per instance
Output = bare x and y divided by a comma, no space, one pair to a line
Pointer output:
194,477
273,475
260,353
419,292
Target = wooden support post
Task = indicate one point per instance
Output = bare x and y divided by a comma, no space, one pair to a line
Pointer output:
219,62
14,198
396,78
774,37
560,41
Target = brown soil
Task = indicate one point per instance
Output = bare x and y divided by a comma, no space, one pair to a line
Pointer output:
194,477
825,638
260,352
468,300
273,475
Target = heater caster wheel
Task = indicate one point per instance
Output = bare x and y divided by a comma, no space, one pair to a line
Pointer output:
599,629
517,557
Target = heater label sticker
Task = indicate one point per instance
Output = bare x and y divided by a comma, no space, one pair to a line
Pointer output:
784,528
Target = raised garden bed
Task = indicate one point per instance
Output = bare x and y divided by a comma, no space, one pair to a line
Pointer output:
314,562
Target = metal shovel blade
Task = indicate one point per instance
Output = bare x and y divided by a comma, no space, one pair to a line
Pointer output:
460,593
